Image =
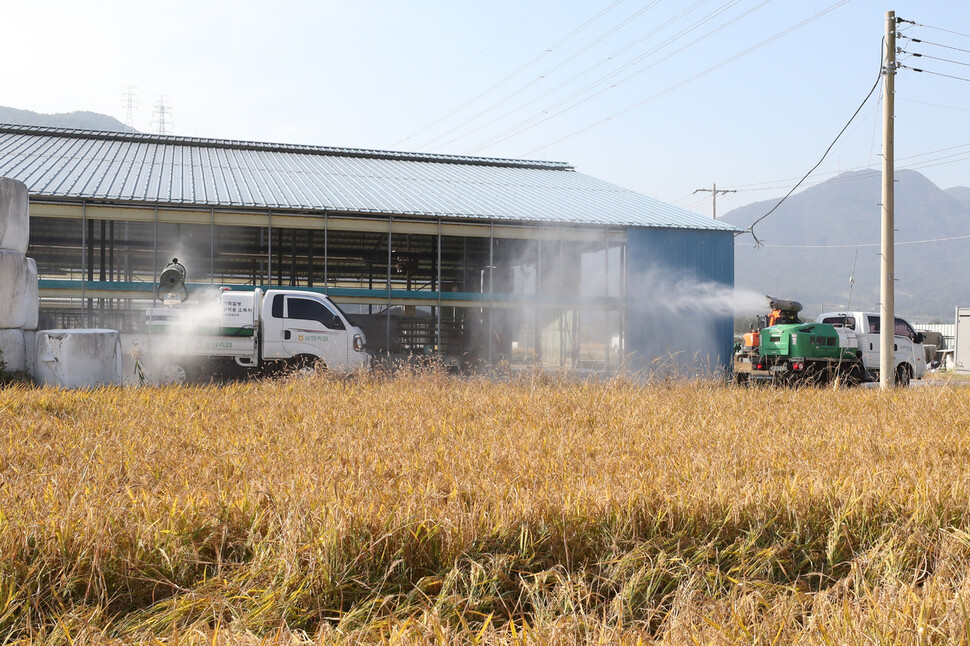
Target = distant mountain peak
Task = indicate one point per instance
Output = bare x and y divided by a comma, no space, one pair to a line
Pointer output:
826,234
80,119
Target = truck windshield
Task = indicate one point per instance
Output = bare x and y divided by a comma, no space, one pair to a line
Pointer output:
840,321
343,313
904,329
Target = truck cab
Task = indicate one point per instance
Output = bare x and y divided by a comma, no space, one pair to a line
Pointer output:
297,324
910,358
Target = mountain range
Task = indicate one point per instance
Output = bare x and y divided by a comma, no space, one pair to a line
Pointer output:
821,246
82,120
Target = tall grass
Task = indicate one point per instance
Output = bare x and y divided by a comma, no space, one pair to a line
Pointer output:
425,509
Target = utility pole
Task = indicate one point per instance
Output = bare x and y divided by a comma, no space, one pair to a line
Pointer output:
887,296
713,190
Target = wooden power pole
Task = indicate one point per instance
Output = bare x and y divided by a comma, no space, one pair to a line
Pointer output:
713,190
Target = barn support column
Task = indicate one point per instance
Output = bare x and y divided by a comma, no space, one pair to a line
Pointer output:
562,309
606,281
491,290
540,286
84,253
212,246
437,341
387,340
155,256
309,258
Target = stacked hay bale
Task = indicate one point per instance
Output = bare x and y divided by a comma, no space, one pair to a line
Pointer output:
19,302
71,358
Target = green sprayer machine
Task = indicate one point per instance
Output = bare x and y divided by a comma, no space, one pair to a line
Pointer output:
786,350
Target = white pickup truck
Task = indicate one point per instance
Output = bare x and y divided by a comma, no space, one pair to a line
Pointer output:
862,331
252,330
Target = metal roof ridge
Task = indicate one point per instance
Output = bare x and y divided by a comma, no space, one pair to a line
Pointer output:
205,142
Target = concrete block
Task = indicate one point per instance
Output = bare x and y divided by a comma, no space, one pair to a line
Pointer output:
78,358
14,218
13,289
33,296
13,350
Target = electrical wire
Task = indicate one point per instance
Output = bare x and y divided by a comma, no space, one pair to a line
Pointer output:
934,105
750,229
927,42
608,59
673,87
867,244
770,185
862,209
936,58
544,115
916,24
476,56
922,71
541,77
517,71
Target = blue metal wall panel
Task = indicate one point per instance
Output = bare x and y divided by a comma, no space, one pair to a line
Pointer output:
680,284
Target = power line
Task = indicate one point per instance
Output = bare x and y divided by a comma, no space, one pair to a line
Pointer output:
936,58
750,229
541,77
935,105
476,56
612,56
867,244
766,186
926,42
543,116
682,83
865,199
515,73
922,71
916,24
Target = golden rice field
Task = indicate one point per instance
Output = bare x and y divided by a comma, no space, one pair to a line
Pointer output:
426,509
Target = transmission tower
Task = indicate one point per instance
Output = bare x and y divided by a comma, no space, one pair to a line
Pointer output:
129,101
163,118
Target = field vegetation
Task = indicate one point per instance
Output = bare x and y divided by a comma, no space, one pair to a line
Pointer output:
429,509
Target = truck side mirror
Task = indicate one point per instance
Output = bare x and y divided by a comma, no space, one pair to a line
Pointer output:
918,338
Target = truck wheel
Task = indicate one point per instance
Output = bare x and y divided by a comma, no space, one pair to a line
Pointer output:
848,374
172,375
902,375
306,364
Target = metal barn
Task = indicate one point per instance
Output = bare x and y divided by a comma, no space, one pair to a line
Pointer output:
477,260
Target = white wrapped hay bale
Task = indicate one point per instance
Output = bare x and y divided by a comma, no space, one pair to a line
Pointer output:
14,218
13,289
33,296
13,350
78,358
30,347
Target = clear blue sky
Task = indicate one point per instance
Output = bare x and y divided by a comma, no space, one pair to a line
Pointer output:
443,77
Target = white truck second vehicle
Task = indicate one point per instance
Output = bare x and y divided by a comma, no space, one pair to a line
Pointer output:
862,330
238,332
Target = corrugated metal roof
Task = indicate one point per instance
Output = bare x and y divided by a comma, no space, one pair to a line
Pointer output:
167,170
